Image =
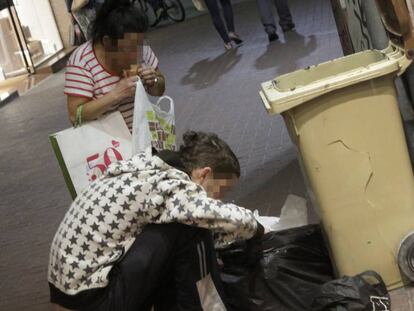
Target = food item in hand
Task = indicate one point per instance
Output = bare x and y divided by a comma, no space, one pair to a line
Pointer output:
132,71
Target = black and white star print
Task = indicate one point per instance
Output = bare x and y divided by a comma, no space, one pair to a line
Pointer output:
105,218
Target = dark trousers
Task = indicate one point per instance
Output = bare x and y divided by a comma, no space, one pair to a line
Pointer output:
266,14
213,8
169,267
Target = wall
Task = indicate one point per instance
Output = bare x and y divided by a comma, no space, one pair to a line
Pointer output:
63,20
39,18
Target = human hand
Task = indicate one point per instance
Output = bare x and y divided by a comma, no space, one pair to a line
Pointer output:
148,76
125,88
132,71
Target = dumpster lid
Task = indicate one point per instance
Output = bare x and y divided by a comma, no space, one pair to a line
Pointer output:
398,19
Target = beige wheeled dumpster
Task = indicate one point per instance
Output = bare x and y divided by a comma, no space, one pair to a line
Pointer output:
344,118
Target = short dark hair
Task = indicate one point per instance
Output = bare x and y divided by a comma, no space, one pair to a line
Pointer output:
201,149
116,18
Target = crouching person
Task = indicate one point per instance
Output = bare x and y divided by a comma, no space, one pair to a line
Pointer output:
142,234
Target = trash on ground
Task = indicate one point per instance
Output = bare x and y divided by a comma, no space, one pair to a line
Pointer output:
363,292
294,214
283,271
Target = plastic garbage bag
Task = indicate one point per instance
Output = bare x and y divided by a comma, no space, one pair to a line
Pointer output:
294,214
363,292
283,271
268,222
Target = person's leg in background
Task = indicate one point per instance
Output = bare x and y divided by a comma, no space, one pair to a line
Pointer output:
267,18
214,10
229,18
285,17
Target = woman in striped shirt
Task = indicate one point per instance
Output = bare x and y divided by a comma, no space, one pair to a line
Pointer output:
101,74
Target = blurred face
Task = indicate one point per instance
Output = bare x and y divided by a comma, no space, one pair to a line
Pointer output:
121,54
216,185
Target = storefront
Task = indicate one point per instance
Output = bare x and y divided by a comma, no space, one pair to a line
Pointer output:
29,36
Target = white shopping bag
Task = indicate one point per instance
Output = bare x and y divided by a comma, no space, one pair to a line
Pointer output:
85,152
152,126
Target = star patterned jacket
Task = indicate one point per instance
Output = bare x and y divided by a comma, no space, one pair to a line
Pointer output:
101,224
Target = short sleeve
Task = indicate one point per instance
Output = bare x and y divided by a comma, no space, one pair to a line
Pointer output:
149,57
78,80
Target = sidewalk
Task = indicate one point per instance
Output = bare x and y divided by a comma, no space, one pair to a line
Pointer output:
213,91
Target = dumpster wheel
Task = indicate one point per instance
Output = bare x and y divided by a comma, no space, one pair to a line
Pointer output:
406,257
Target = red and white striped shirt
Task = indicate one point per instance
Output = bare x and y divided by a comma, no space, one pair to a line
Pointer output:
86,77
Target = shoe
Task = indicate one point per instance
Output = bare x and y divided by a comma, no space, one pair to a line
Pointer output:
272,36
288,27
235,38
228,46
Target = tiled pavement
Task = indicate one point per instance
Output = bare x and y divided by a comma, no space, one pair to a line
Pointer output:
219,91
213,91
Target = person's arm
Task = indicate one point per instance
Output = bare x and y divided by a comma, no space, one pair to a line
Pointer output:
153,81
93,108
189,204
152,78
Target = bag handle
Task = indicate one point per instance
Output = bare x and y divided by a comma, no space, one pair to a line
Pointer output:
170,102
78,118
374,275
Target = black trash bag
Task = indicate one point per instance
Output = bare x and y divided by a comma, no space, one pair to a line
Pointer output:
363,292
283,271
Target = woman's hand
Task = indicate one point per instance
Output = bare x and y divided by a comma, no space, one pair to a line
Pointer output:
148,76
124,89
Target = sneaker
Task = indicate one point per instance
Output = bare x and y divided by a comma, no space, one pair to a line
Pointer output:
288,27
272,36
235,38
228,46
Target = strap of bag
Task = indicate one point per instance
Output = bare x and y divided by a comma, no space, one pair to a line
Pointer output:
78,118
367,274
170,102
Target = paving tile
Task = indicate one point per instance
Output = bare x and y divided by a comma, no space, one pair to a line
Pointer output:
213,91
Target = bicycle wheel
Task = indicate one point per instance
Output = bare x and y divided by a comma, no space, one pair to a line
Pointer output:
174,10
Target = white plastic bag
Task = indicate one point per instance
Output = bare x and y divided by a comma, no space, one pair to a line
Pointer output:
268,222
152,126
294,214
